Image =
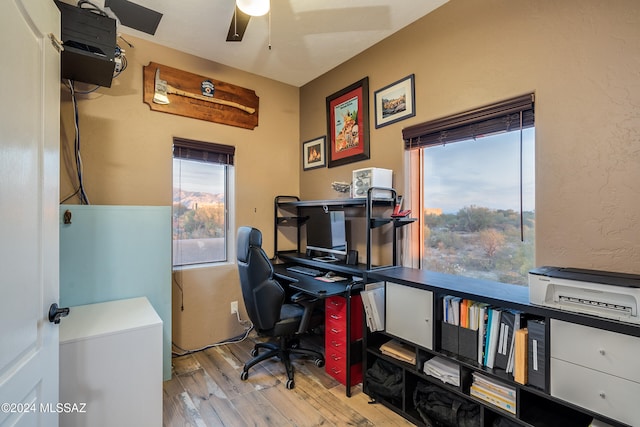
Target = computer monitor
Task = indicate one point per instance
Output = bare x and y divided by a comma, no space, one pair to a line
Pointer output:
327,233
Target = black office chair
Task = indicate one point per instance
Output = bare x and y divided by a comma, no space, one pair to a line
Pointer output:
264,299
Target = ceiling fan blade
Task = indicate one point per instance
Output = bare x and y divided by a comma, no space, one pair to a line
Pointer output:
238,26
135,16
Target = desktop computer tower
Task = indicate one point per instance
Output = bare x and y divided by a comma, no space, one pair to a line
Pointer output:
89,41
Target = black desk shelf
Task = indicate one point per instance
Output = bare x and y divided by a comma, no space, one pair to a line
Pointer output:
292,220
397,222
294,207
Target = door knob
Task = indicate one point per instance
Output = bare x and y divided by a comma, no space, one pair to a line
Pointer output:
56,313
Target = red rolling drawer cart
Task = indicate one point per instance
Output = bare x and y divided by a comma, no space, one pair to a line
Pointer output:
343,352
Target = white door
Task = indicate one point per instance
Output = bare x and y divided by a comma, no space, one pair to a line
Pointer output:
29,199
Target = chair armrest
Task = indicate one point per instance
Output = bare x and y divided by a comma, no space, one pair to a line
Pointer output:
309,303
302,298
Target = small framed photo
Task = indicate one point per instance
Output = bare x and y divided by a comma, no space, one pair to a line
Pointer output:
395,102
348,124
313,153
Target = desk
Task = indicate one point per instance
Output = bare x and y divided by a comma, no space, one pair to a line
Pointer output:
329,290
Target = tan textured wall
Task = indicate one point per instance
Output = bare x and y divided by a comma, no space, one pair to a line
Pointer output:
582,60
127,155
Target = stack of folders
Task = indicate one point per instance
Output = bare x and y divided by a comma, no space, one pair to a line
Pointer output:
461,312
399,351
494,392
496,330
467,314
443,369
373,303
497,338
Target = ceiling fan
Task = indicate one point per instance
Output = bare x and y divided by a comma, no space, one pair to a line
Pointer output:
310,21
244,10
135,16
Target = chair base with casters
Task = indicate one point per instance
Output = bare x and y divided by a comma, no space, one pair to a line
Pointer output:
282,350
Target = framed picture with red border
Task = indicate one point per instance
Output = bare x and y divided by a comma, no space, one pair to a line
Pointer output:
348,124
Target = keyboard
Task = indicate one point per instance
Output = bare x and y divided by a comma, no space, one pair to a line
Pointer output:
305,270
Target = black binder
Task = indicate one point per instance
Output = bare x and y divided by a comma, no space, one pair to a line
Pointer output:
507,321
537,353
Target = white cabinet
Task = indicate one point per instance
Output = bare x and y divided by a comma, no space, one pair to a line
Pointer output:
111,360
409,314
596,369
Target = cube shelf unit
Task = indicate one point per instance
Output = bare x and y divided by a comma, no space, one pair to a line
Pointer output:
588,361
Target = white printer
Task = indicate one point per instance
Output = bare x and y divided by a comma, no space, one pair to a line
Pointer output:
601,293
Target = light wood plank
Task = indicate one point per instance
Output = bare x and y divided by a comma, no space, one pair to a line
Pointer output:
255,410
206,388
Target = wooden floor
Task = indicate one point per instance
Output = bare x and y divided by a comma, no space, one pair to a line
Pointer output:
206,390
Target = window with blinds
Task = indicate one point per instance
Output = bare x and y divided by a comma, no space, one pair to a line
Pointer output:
201,202
475,178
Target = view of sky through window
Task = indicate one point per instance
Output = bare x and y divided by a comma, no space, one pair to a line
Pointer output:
474,224
483,172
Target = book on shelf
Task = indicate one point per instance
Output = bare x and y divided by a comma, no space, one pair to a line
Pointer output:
507,321
496,386
451,309
516,327
483,394
494,392
520,356
482,331
398,350
536,349
373,303
464,313
474,315
493,336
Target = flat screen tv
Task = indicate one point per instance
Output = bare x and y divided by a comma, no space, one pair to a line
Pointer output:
327,233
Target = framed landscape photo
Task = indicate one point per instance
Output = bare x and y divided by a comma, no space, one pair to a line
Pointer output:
348,124
395,102
313,153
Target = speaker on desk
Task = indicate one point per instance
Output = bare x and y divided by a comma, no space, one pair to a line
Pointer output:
352,257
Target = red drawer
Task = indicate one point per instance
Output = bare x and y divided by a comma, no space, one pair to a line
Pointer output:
336,366
335,334
336,312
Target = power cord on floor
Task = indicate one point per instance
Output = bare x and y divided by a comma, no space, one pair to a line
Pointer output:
239,338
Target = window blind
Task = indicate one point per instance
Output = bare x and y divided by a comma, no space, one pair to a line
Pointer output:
498,117
203,151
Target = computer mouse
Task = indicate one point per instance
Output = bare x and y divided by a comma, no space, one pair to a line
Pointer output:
330,274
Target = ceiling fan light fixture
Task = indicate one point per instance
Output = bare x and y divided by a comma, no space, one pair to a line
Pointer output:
253,7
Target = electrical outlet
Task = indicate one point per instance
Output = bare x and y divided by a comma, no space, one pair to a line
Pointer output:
234,307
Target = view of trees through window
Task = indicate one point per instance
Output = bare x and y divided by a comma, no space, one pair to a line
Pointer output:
472,207
199,212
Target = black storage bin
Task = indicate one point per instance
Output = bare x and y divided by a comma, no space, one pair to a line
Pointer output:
458,340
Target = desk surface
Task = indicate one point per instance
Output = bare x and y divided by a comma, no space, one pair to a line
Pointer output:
293,257
310,284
